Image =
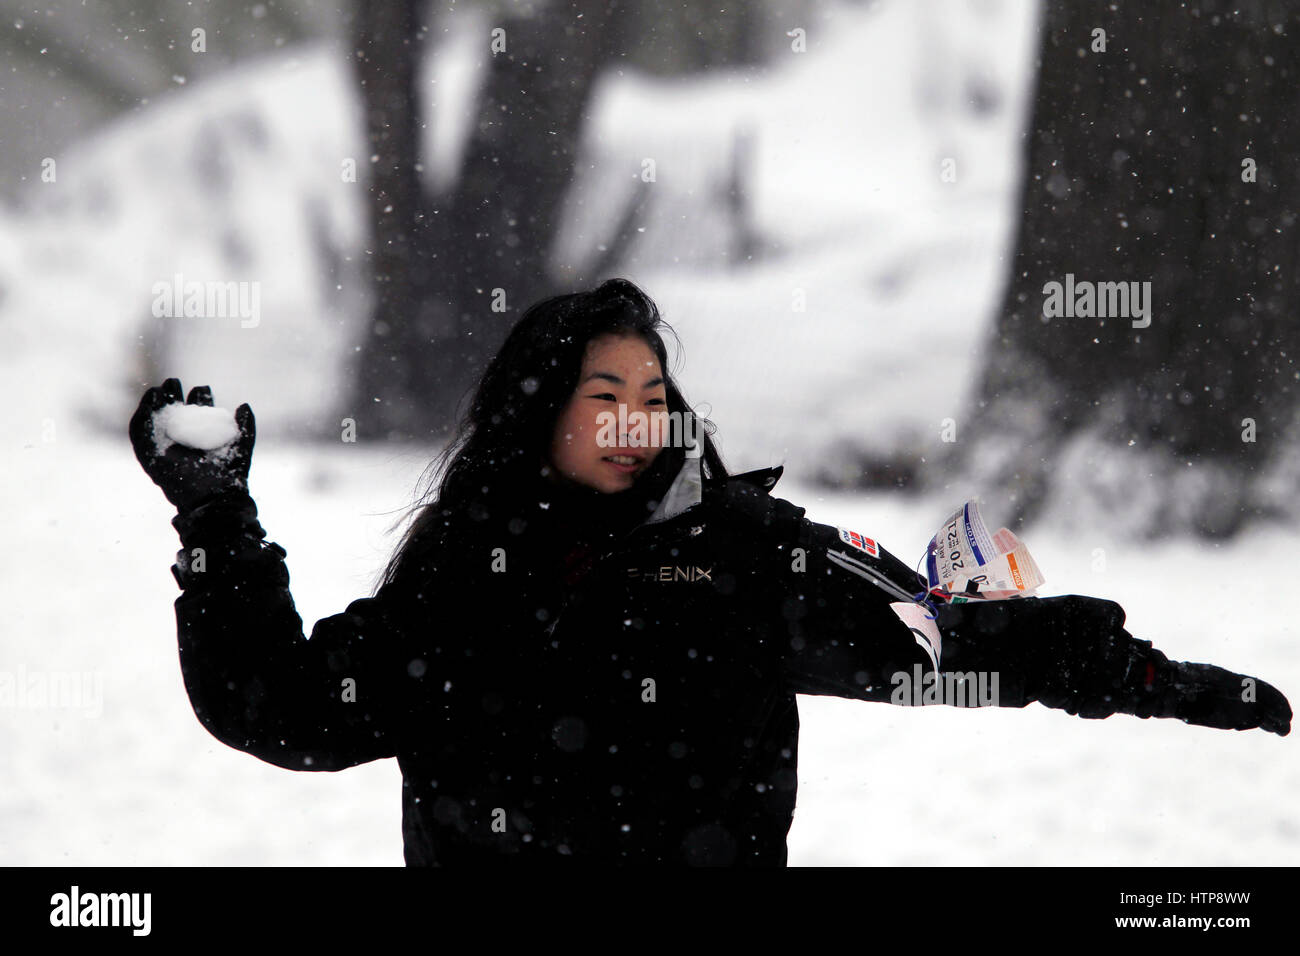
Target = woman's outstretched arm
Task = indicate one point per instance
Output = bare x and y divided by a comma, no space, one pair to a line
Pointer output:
835,588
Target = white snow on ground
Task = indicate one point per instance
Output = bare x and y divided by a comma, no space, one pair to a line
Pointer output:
900,272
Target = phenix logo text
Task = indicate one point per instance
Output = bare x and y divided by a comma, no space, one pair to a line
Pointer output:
102,909
672,573
208,300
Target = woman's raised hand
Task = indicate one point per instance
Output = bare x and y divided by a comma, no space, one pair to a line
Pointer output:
189,476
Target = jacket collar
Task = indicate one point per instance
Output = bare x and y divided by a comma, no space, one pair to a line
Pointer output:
762,478
687,489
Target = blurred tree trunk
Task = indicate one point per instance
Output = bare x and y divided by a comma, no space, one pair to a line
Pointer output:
1135,174
436,260
388,44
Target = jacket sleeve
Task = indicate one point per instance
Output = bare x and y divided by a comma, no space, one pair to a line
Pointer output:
1069,653
1072,653
828,596
255,683
843,637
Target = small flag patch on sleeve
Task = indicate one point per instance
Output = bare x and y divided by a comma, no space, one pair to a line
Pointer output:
859,541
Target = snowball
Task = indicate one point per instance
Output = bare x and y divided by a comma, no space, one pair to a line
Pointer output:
195,426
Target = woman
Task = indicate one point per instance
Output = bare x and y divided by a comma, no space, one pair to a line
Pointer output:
588,644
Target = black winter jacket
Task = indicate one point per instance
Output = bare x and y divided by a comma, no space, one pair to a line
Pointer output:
645,716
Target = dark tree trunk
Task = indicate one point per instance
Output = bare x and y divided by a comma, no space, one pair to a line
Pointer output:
1135,174
438,260
386,58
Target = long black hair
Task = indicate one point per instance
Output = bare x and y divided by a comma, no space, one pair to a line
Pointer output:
517,403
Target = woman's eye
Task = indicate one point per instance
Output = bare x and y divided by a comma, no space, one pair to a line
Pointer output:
611,397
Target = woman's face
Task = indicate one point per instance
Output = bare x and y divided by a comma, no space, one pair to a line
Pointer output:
615,370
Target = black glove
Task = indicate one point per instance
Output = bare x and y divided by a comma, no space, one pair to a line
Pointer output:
1072,653
1213,697
190,476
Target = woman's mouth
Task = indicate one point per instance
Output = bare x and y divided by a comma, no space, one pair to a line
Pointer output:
624,463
